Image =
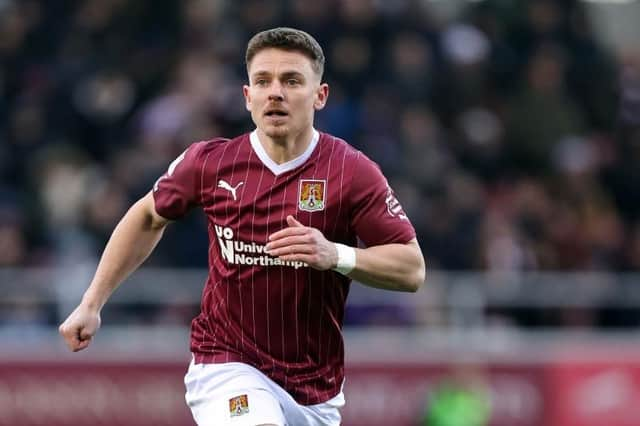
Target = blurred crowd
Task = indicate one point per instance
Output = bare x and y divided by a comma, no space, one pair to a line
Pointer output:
511,135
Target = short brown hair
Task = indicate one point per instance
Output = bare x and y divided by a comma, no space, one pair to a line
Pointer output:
287,39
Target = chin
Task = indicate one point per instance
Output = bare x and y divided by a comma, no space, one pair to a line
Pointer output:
276,131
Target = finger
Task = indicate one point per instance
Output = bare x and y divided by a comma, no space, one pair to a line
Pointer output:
65,329
287,241
67,333
291,249
82,345
72,343
85,335
287,232
71,337
291,221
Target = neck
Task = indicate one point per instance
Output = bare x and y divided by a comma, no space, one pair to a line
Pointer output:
281,150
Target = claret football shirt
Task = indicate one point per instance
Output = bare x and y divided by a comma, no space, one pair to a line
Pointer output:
284,318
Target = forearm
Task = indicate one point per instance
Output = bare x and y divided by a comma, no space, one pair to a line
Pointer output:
397,267
131,242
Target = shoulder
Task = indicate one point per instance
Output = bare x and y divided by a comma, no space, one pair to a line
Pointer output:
336,142
336,145
215,146
211,145
358,162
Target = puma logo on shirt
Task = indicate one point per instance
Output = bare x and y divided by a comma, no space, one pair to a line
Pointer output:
232,189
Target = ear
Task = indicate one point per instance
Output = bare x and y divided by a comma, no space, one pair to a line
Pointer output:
322,94
247,97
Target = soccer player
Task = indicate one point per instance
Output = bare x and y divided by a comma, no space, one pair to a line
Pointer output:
285,206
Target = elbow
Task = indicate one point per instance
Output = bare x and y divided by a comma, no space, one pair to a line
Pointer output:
416,282
418,277
413,281
417,274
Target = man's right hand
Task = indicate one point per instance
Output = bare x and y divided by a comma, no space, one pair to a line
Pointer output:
80,327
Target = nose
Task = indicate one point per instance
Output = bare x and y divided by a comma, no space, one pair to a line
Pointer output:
275,93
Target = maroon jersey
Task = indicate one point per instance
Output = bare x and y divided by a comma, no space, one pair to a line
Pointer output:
284,318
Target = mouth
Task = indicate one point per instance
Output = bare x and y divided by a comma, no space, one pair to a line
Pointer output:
276,113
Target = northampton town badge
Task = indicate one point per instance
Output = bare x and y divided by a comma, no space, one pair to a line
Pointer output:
239,405
311,194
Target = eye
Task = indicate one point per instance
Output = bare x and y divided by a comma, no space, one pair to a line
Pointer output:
293,82
260,82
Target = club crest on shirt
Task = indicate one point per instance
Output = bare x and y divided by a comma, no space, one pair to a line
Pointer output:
312,194
239,405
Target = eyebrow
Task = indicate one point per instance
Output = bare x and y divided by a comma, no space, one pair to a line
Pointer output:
285,74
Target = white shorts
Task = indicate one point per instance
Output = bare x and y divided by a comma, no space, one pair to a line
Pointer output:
240,395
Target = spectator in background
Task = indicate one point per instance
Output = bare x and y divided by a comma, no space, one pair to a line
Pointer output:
542,115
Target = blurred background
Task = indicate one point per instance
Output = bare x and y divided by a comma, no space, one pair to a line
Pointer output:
510,131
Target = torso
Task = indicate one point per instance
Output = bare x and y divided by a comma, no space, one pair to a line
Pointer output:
284,319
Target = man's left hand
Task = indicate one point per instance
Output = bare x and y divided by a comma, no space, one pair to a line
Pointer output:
304,244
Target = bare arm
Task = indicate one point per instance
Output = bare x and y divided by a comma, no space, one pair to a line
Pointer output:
397,267
133,239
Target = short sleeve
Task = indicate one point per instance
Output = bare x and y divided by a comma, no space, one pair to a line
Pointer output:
377,216
176,192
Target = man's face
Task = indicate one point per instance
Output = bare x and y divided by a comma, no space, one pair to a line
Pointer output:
283,92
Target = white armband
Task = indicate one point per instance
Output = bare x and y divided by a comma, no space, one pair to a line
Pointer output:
346,259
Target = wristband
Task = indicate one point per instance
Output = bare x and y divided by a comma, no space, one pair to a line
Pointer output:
346,259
